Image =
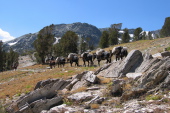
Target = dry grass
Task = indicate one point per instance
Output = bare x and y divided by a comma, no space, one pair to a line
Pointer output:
114,102
24,80
104,80
125,78
94,106
151,46
127,86
81,89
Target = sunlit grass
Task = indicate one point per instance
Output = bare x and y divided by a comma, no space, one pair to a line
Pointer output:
17,82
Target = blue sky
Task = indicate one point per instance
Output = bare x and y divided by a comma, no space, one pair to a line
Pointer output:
19,17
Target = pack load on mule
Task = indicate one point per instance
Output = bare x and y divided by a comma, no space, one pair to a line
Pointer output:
119,52
73,57
101,54
86,56
60,61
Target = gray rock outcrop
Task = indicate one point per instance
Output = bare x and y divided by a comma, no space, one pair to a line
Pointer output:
44,97
157,74
122,67
165,53
45,94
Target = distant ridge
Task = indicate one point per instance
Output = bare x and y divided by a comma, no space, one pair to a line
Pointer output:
25,42
83,30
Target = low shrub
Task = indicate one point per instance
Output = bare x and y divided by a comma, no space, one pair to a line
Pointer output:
153,97
67,102
168,48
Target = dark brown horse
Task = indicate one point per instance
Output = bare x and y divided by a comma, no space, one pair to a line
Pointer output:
52,64
15,65
50,61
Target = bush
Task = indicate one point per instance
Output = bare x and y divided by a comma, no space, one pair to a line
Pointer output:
168,48
153,97
2,109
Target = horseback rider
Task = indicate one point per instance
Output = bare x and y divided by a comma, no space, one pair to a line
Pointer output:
52,58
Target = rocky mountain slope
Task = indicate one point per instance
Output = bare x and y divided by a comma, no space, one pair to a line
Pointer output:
21,44
25,42
137,84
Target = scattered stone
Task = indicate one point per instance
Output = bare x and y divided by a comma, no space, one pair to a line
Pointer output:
133,75
165,54
91,77
157,55
91,101
81,96
117,87
93,88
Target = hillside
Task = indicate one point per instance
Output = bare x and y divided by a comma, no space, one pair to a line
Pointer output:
21,44
14,84
25,42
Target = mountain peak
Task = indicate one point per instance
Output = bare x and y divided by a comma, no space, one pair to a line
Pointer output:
25,42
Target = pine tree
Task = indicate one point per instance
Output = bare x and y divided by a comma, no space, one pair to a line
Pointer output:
12,57
44,42
83,45
125,36
57,50
7,58
88,41
104,40
137,33
165,31
4,60
150,35
69,43
1,56
113,36
144,36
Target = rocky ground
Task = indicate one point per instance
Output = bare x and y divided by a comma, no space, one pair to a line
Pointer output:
25,61
138,84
